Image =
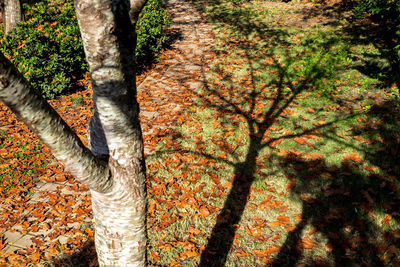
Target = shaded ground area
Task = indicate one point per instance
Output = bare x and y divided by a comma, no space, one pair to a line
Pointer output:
288,156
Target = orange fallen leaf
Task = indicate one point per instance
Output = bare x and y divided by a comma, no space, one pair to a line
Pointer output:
204,212
290,185
308,244
386,220
274,224
243,254
155,255
312,231
329,247
299,140
188,254
290,228
283,218
2,243
311,110
266,252
193,230
89,232
254,231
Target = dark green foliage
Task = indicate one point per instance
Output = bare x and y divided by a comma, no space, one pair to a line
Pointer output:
380,9
384,12
149,29
47,47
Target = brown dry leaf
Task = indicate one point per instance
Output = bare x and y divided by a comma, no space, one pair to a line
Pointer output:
155,255
299,140
329,247
243,254
308,244
386,220
368,197
312,231
310,110
290,185
396,234
204,212
275,224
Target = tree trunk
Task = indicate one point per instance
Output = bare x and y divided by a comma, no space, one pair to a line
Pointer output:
109,39
12,14
114,168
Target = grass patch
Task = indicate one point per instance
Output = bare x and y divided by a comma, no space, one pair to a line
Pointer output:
281,163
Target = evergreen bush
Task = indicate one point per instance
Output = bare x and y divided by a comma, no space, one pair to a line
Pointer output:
47,47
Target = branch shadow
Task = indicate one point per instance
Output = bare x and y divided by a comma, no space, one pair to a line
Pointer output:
242,99
338,201
381,32
85,257
342,205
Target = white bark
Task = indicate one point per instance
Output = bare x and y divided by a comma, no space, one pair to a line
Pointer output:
13,15
118,188
17,94
109,41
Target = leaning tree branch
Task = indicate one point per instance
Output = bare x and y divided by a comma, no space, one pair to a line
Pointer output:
43,120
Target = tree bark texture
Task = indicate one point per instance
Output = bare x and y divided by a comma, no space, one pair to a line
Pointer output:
113,168
12,14
40,117
109,39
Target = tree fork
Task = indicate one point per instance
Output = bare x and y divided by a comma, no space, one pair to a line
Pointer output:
117,187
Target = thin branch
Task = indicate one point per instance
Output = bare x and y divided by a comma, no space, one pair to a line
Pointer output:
43,120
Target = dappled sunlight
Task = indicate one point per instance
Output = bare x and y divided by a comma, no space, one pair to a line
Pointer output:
267,166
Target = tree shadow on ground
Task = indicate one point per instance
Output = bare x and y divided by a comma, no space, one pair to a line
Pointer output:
380,31
365,29
85,257
260,99
341,202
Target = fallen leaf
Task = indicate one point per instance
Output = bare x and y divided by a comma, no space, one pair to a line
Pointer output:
204,212
308,244
386,220
243,254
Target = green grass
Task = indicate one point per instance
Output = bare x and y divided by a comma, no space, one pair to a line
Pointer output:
287,130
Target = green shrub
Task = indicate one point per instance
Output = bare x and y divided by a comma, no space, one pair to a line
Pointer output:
47,47
150,38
